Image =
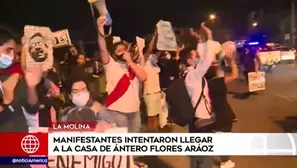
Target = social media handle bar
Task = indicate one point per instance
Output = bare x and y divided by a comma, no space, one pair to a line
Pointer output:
23,160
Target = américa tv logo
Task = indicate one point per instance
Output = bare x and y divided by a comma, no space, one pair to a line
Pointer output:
30,144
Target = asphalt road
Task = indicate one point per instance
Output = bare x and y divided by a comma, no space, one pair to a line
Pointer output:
271,111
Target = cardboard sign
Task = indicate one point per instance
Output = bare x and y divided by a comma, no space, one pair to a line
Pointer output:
140,42
166,37
38,47
116,39
61,38
90,161
270,57
256,81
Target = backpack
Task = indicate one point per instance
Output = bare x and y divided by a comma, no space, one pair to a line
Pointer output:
181,110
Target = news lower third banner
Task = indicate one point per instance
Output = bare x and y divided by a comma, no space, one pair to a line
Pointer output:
36,148
244,144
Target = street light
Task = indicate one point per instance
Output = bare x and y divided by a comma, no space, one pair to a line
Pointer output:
255,24
212,17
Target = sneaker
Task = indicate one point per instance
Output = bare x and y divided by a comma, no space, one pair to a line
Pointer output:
228,164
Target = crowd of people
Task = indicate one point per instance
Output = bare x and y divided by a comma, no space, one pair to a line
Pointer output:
117,81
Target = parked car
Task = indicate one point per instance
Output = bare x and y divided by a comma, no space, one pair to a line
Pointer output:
288,54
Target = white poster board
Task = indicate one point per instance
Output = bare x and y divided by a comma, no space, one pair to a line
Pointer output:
166,37
116,39
140,42
61,38
256,81
96,161
38,44
269,57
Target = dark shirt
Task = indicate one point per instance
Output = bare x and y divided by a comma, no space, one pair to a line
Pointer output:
12,118
220,105
174,66
45,102
248,62
169,68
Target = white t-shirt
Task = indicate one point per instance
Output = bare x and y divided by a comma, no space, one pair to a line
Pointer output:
152,84
193,81
129,102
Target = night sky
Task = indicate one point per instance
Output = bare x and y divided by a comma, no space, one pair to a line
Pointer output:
131,17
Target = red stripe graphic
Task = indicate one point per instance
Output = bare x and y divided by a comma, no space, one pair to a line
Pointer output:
120,89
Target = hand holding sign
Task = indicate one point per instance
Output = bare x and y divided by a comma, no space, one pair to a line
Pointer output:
101,21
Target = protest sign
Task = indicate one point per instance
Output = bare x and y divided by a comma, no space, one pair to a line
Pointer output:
166,37
38,47
116,39
256,81
270,57
140,42
96,161
88,161
61,38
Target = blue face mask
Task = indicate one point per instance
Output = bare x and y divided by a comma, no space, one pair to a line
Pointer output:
5,61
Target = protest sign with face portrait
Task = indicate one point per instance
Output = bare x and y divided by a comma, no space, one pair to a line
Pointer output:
38,47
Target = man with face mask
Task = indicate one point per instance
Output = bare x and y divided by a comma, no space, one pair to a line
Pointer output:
123,82
16,93
38,48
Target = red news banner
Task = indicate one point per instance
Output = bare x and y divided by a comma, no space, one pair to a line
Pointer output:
23,144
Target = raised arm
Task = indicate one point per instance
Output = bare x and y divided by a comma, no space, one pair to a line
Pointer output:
139,72
207,53
105,56
234,69
150,48
195,35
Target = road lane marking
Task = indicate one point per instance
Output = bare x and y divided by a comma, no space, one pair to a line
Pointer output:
283,97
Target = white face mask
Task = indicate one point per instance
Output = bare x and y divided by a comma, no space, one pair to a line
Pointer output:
5,61
81,99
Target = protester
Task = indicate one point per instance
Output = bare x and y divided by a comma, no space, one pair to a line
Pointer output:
218,94
17,93
157,117
79,93
123,80
251,63
194,79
